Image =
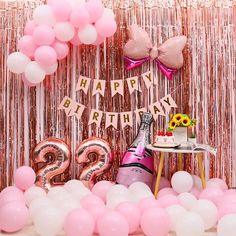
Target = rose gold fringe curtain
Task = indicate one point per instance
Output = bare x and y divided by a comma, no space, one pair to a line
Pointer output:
204,87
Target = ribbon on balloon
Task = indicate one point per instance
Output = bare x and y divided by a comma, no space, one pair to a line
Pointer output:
139,49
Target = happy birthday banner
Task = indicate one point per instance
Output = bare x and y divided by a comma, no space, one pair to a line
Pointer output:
73,108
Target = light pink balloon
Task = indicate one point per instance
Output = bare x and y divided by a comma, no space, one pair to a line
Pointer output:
225,209
217,183
43,35
195,192
147,203
27,46
79,222
30,27
132,214
97,212
28,83
113,223
61,48
95,9
99,40
166,191
150,219
13,216
168,200
75,40
61,9
91,200
230,191
10,196
105,27
79,17
24,177
100,189
212,194
227,198
164,183
10,189
45,56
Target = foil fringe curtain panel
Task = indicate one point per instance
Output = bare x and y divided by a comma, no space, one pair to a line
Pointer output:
204,87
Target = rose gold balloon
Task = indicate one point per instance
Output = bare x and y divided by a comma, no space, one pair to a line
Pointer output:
55,156
94,158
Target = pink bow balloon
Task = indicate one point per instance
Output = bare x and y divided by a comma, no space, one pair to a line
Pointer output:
139,49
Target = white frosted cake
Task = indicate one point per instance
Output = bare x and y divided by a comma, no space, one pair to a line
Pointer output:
164,139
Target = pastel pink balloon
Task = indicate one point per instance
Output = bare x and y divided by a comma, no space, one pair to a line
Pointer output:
43,35
212,194
61,9
99,40
166,191
164,183
75,40
113,223
61,49
147,203
10,196
24,177
132,214
28,83
105,27
10,189
227,208
195,192
79,17
13,216
149,223
100,189
97,212
30,27
91,200
230,191
45,56
95,9
168,200
227,198
217,183
27,46
79,222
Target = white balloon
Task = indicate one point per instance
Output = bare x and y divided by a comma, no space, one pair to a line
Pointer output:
80,193
57,193
175,212
48,221
197,182
87,34
208,211
115,200
43,15
187,200
64,31
138,196
34,73
190,224
117,189
51,69
67,205
17,62
139,187
32,193
182,182
73,185
226,225
108,13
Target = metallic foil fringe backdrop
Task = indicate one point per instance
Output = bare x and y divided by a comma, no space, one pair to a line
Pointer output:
204,87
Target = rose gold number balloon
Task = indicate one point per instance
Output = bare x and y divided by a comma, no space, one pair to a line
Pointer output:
94,158
55,157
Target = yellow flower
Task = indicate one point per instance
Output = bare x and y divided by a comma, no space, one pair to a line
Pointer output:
186,121
177,118
172,125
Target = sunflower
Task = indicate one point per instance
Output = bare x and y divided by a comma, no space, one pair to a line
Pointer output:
177,118
186,121
172,125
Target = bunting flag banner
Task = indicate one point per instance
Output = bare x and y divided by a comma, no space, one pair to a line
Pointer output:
126,118
99,87
77,109
149,79
133,84
111,119
66,105
156,110
83,84
117,86
139,113
95,117
168,102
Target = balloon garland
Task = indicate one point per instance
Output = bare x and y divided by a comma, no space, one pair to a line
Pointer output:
55,25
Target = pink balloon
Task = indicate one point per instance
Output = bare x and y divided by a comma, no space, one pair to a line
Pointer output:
168,200
227,198
217,183
90,201
28,83
10,189
13,216
61,9
62,49
148,203
97,212
75,40
24,177
167,71
230,191
150,219
30,27
95,9
79,222
10,196
105,27
27,46
79,17
212,194
43,35
226,209
100,189
132,214
113,223
45,56
99,40
164,183
195,192
166,191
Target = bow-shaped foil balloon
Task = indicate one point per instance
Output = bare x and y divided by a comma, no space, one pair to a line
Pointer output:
139,49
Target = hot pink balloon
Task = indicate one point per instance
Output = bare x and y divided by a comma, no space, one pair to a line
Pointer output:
217,183
75,40
13,216
27,45
24,177
212,194
30,27
149,223
168,72
79,222
147,203
166,191
132,214
79,17
61,9
91,200
97,212
12,196
227,208
45,56
106,27
95,9
113,223
61,49
43,35
100,189
168,200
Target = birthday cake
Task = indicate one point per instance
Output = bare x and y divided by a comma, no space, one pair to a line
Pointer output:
164,139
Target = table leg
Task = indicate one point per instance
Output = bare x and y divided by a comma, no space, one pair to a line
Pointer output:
180,161
161,163
201,169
